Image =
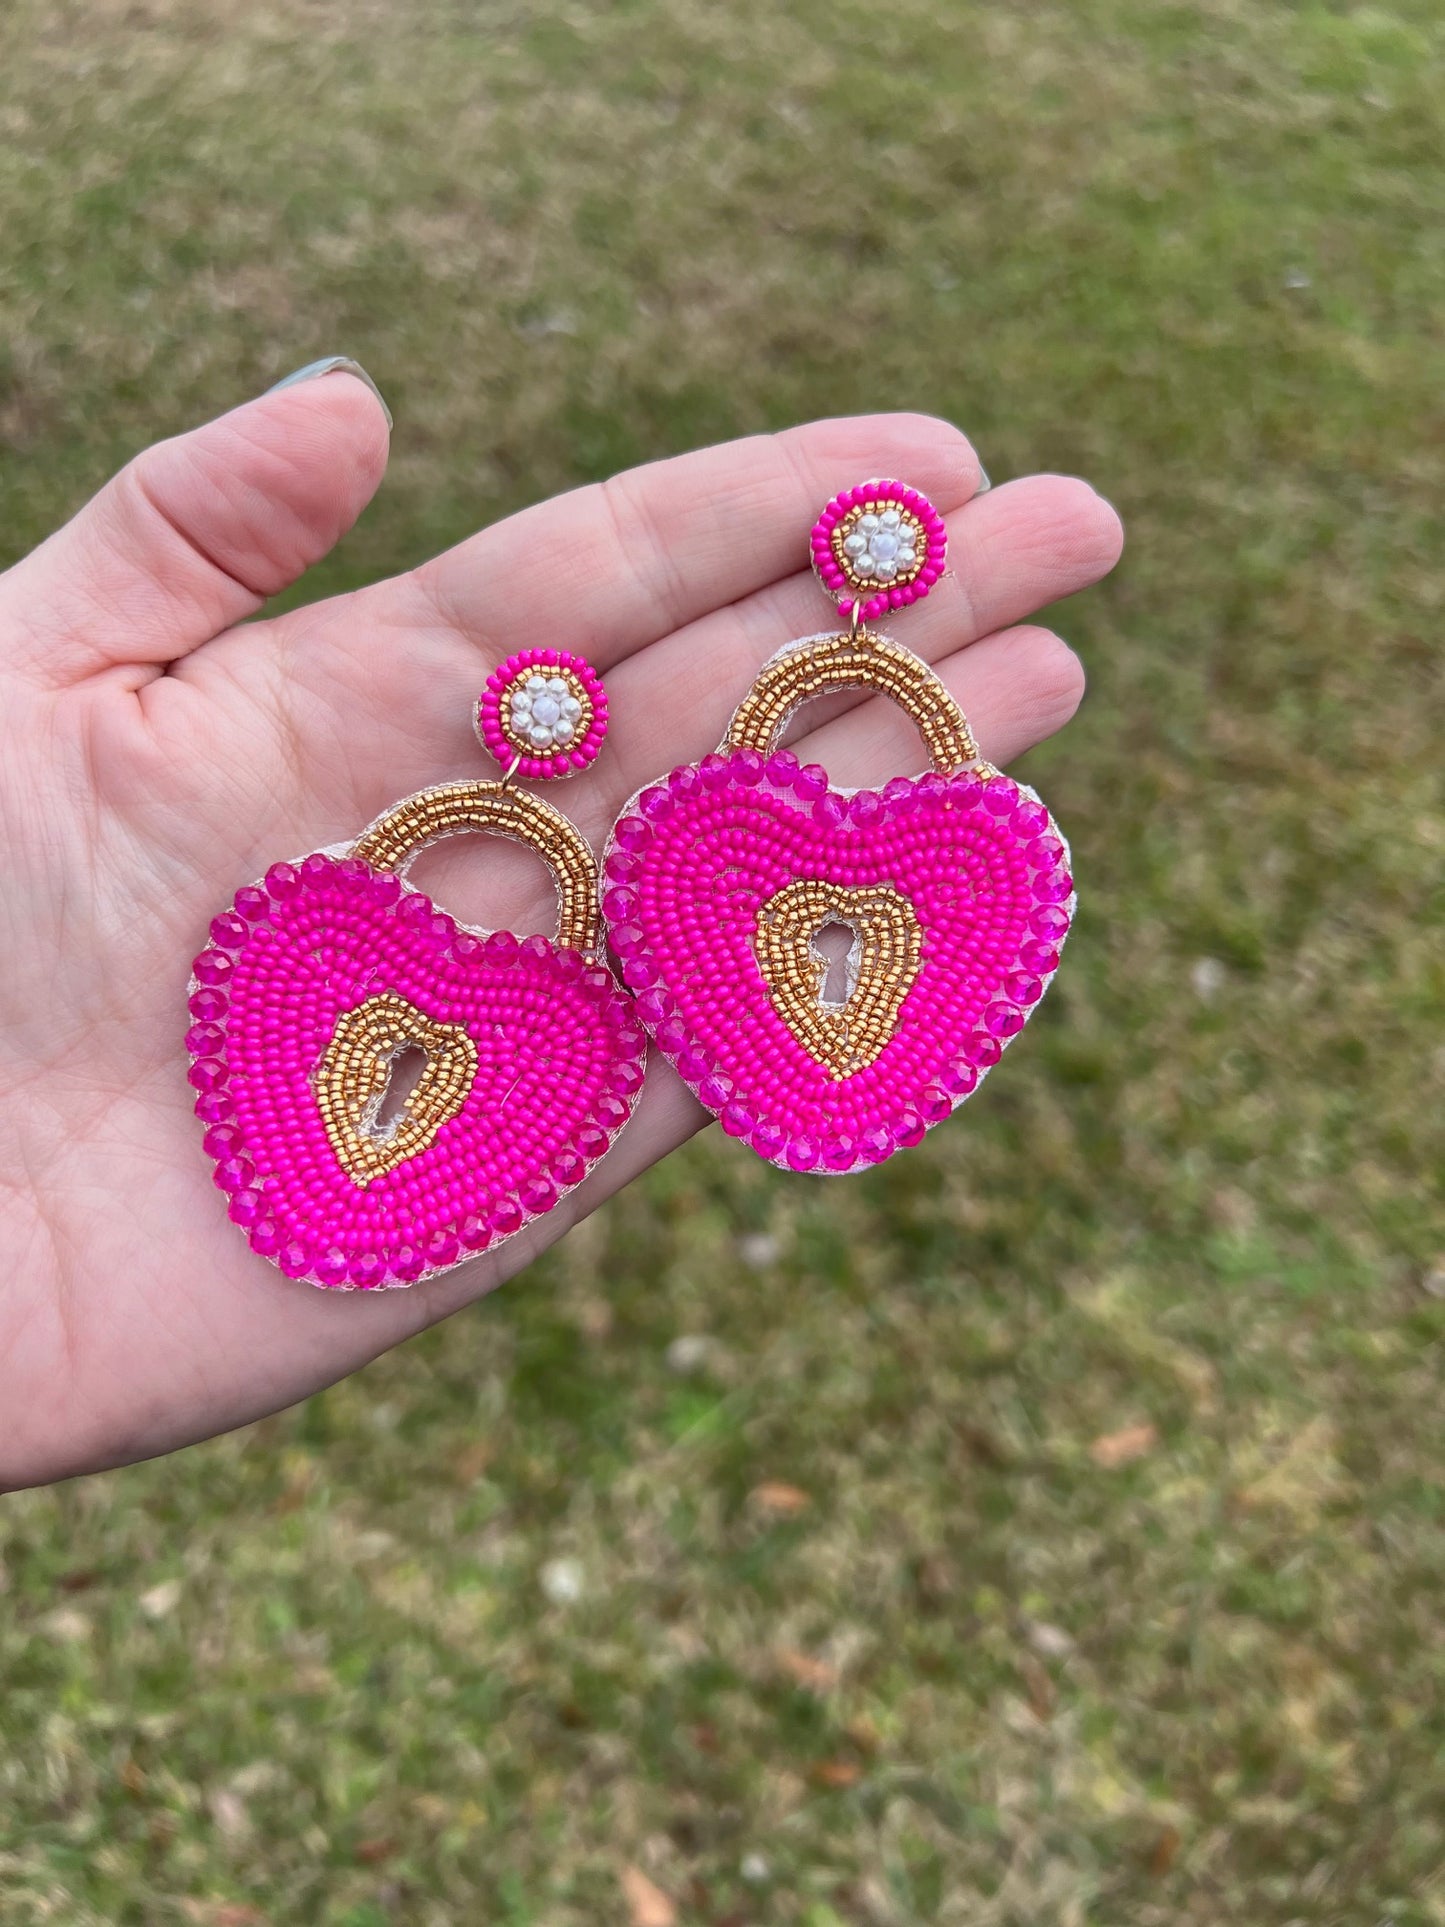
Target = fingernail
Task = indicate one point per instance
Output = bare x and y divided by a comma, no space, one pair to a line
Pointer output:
332,365
984,484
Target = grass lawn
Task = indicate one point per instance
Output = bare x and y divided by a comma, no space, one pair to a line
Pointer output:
1048,1530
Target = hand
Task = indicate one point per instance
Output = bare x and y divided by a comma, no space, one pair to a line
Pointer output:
159,751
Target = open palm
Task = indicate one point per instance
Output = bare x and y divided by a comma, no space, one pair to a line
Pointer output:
159,751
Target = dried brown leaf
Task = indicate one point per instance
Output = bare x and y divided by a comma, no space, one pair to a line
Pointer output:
783,1501
1114,1449
816,1675
837,1773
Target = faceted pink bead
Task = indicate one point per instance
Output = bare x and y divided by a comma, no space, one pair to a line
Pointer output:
981,1049
620,905
803,1152
265,1237
214,1107
768,1140
935,1103
1041,958
229,932
737,1119
441,1249
1000,795
505,1217
207,1074
626,938
568,1168
840,1152
538,1195
252,904
204,1040
640,972
654,803
911,1128
747,766
1004,1020
715,1091
1044,853
476,1232
959,1078
246,1208
222,1141
408,1261
1022,988
501,948
213,967
234,1174
283,880
1030,819
1049,922
208,1005
333,1266
782,768
294,1257
367,1270
632,833
810,782
1053,886
876,1143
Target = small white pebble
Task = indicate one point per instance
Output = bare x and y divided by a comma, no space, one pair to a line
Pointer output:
563,1581
689,1353
161,1600
758,1250
754,1869
1208,977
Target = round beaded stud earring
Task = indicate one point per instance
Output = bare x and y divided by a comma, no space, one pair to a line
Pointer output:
328,973
834,971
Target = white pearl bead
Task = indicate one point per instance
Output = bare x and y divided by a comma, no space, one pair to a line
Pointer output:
887,571
535,685
855,545
865,565
889,518
571,708
564,731
867,523
884,545
521,705
540,738
906,558
546,709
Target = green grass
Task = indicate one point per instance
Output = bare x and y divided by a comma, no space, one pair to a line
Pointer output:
317,1672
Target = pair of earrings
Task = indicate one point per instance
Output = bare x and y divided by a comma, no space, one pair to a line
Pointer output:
949,892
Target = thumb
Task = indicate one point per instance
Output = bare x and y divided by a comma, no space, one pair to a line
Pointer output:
195,533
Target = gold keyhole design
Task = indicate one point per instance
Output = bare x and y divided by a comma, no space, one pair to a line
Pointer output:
352,1078
883,962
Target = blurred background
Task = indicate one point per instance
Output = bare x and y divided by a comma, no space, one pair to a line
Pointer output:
1046,1531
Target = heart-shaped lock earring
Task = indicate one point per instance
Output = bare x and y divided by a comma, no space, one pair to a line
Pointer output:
942,898
330,971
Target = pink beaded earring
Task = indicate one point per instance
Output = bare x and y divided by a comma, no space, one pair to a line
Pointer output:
949,893
326,972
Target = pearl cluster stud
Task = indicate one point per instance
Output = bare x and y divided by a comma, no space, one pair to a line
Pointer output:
880,545
544,711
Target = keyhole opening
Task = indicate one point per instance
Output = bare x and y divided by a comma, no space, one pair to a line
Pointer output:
404,1074
833,946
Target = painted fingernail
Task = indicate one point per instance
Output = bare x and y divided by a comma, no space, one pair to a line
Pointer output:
984,484
333,365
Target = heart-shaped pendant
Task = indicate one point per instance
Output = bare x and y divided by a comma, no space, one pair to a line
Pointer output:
327,975
950,893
